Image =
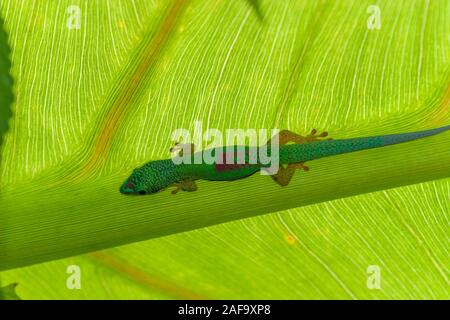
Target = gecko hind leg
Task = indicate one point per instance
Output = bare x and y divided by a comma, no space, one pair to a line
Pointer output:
286,136
285,174
185,185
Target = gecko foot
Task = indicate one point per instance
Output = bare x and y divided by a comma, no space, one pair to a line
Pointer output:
301,166
313,136
285,174
286,136
185,185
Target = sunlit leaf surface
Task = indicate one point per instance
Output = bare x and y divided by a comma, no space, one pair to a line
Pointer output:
96,101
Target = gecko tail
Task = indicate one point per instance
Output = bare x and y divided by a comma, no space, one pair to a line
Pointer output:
310,151
391,139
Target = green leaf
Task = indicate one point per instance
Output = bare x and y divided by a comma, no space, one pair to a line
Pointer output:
95,102
6,82
9,292
257,7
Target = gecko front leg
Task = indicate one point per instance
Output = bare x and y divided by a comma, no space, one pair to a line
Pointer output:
185,185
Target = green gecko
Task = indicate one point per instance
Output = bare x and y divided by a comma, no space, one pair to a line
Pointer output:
159,174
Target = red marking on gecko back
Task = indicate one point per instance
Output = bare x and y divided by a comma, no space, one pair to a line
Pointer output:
228,162
231,166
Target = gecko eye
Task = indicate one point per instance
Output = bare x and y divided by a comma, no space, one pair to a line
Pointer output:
142,192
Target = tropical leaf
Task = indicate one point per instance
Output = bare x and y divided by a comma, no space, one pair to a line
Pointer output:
6,95
95,102
9,292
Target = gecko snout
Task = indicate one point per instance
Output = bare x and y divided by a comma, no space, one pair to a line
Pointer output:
127,187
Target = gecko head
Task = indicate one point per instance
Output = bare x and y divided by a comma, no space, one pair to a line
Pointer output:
150,178
130,187
134,184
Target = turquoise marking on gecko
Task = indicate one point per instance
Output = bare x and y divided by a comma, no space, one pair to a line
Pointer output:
160,174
